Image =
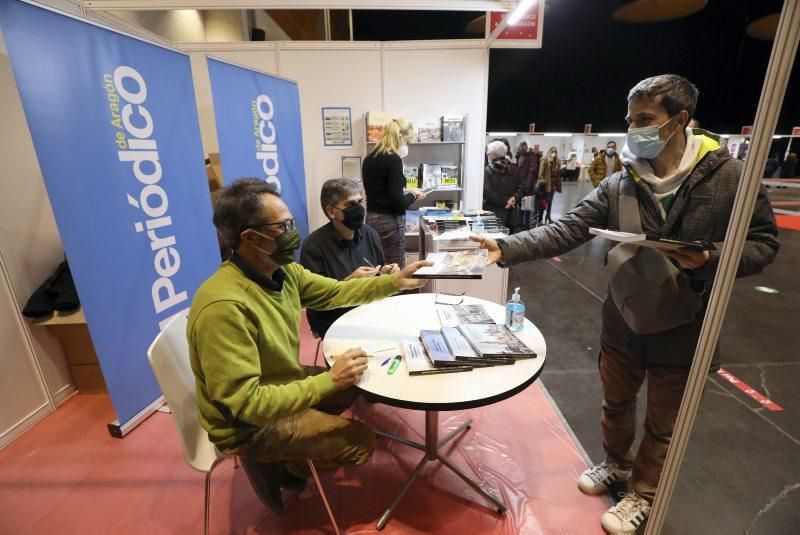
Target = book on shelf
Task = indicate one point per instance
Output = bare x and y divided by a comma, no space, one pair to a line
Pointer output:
428,131
450,177
452,128
495,341
468,264
430,175
376,122
412,177
654,241
418,363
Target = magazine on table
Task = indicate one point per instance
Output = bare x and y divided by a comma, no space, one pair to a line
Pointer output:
418,363
495,341
653,241
469,264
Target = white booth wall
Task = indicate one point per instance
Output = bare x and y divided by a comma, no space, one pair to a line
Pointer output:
364,76
35,376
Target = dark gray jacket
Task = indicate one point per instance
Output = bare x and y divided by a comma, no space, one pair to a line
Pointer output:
701,211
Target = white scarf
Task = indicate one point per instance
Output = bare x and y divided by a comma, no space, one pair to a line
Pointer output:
668,185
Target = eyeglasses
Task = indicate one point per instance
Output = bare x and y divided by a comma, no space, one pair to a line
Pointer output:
287,225
443,298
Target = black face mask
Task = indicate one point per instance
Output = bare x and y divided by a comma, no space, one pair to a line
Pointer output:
354,216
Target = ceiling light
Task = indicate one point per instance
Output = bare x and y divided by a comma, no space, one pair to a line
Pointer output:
496,134
558,134
623,134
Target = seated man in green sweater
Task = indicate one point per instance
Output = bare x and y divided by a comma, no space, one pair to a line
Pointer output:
256,400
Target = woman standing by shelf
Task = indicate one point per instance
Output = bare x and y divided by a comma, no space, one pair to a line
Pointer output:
383,183
550,172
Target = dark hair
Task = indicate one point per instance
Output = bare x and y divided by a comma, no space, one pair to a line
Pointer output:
237,206
677,93
336,190
611,141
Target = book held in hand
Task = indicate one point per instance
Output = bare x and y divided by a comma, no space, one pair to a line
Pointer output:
653,241
469,264
495,341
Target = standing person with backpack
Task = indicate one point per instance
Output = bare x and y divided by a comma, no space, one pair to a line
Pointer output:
676,183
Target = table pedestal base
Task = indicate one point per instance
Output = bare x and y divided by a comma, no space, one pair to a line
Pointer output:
431,449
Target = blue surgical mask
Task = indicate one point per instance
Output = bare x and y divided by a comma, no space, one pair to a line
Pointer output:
645,142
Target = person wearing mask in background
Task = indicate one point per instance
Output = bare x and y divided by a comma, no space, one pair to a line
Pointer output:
550,172
676,184
789,167
528,171
255,399
605,163
343,249
384,182
772,167
502,188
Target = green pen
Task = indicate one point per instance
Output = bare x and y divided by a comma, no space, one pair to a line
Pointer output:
394,365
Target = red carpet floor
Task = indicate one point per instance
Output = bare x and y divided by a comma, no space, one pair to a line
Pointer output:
67,475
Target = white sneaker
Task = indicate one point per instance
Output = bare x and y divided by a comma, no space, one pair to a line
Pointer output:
597,479
626,517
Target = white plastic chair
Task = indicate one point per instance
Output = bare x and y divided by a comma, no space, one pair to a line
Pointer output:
169,358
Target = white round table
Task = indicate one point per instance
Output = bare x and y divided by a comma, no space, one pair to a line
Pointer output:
404,316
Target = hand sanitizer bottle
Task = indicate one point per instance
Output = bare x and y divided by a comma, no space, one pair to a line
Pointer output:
477,226
515,312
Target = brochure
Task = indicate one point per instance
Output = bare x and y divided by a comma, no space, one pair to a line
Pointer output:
495,341
651,240
469,264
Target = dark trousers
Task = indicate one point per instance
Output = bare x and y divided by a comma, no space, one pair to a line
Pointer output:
621,380
550,195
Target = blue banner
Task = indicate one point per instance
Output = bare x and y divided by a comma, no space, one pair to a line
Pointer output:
259,131
114,124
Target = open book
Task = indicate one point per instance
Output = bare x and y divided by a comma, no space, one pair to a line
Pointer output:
469,264
650,240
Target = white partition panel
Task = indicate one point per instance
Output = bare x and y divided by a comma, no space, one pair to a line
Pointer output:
29,239
423,80
338,75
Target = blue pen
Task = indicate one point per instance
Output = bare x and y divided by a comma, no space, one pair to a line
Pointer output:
385,362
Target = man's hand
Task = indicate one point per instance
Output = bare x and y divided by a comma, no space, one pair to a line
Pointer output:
495,254
363,271
689,258
403,280
348,368
390,268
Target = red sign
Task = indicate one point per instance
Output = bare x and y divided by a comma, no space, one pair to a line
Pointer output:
747,130
526,33
796,130
749,391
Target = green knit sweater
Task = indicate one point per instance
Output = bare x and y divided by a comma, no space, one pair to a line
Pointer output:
244,342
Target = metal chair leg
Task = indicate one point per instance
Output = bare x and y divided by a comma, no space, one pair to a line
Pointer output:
316,354
207,509
323,496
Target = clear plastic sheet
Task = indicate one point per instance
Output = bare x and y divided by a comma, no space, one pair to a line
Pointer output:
518,449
